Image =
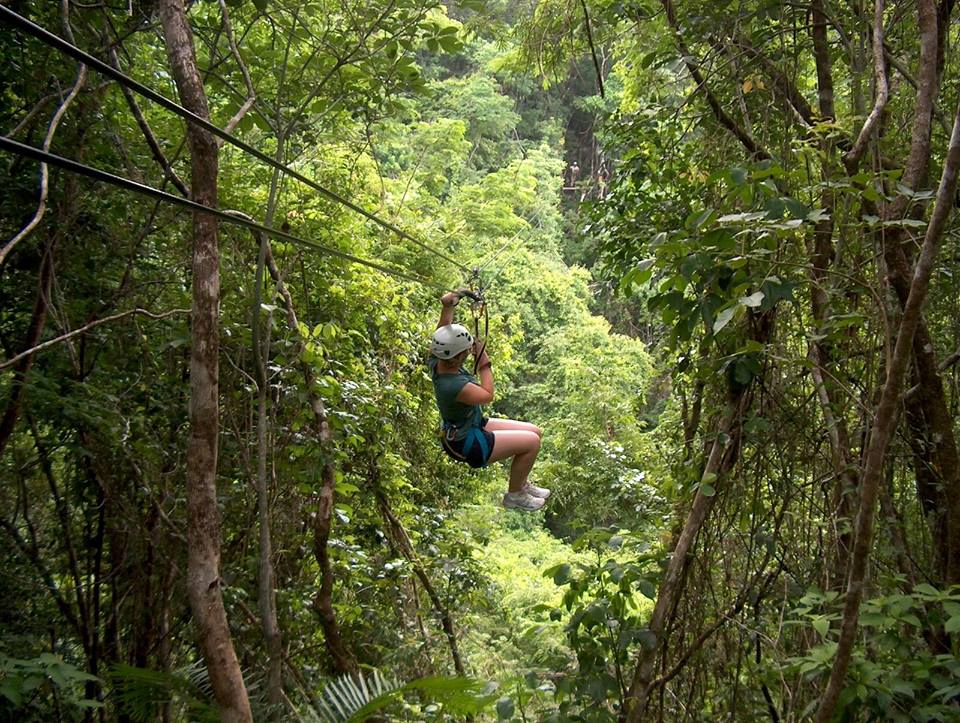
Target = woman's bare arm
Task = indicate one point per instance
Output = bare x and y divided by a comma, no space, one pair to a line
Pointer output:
448,300
481,393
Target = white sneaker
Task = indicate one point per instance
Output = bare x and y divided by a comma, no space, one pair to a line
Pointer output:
534,491
522,501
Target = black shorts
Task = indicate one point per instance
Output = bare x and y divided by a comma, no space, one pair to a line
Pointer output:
474,449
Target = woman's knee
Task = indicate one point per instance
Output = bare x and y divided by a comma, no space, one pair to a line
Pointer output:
532,428
534,444
529,446
511,443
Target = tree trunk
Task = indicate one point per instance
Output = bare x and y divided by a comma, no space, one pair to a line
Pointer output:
936,458
266,588
343,661
722,457
672,586
821,258
38,318
884,423
203,517
402,543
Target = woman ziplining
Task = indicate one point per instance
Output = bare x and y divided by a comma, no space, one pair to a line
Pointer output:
467,435
465,427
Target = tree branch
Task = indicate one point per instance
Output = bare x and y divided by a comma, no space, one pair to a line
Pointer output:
885,421
593,50
731,612
907,76
407,550
235,51
44,171
151,139
795,101
38,320
851,158
32,113
343,661
66,535
942,367
721,115
85,328
32,553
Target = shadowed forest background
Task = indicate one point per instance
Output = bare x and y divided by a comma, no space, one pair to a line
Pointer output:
720,260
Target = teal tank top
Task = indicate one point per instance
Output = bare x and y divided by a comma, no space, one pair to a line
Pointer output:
457,415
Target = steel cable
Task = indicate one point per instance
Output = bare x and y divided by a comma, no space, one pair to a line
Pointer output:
20,149
82,56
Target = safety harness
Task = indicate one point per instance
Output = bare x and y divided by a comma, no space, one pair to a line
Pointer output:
475,435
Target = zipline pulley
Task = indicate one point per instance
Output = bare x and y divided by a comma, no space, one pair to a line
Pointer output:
478,310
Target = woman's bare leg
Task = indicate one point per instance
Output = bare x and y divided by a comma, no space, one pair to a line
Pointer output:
498,425
522,445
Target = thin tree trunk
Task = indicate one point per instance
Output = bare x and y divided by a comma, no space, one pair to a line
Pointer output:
267,596
821,51
343,661
936,458
883,426
166,631
266,588
402,541
203,517
821,256
852,158
672,586
721,459
38,319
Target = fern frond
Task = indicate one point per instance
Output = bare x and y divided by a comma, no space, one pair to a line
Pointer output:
140,692
354,698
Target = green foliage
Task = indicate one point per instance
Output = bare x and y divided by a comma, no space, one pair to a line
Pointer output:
140,693
43,688
354,698
899,676
464,161
436,117
605,605
478,101
718,268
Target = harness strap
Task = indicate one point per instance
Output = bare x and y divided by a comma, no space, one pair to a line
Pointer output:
476,435
447,446
485,448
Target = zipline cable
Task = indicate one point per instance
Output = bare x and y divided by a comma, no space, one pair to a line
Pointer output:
499,251
510,240
503,264
20,149
82,56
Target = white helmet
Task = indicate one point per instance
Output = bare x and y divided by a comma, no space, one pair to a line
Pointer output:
450,340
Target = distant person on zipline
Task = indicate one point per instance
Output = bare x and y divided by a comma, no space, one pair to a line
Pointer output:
467,435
